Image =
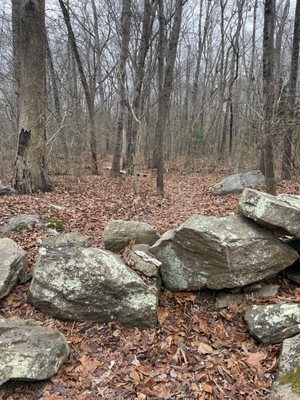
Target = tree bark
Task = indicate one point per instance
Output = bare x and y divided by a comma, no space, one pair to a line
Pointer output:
268,93
30,171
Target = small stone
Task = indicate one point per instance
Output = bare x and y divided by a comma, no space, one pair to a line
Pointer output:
224,299
13,261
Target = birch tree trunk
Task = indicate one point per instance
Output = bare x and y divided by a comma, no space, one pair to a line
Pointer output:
30,170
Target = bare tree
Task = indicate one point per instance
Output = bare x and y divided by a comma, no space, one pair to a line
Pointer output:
167,56
30,172
87,90
291,103
125,33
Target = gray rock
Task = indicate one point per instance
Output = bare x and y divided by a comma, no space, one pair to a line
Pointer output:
79,283
13,261
273,323
219,253
72,239
140,258
117,234
20,223
277,214
30,351
287,383
236,183
261,290
6,190
224,299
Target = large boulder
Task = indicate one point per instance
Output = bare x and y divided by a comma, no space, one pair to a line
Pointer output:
20,222
236,183
287,383
13,261
81,283
273,323
218,253
278,213
30,351
117,234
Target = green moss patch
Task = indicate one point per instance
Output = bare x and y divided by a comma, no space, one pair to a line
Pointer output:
292,379
55,224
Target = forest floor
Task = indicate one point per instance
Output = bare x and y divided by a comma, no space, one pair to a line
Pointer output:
195,352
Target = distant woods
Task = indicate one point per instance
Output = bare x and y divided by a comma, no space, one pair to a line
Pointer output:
150,83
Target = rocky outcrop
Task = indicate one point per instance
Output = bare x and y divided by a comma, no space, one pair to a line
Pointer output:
277,213
30,351
117,234
274,322
236,183
19,223
287,382
218,253
13,261
81,283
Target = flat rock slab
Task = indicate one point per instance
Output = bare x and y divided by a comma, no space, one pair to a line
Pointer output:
287,382
224,299
140,258
13,261
30,351
20,222
273,323
219,253
85,283
235,184
117,234
278,213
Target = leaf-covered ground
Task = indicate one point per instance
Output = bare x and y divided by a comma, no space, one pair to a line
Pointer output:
196,352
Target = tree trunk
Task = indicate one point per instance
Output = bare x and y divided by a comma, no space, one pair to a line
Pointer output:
126,19
165,91
291,103
30,172
268,93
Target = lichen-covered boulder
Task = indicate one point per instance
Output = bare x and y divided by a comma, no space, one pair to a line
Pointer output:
273,323
20,222
287,383
278,213
30,351
236,183
219,253
85,283
13,261
117,234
